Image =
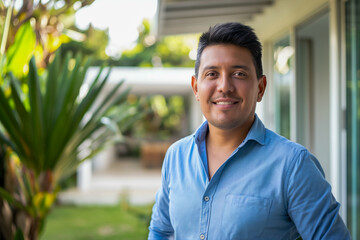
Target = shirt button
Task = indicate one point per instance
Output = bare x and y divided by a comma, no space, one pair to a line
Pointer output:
206,198
202,236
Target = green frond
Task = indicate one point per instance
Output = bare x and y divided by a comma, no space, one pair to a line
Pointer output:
60,130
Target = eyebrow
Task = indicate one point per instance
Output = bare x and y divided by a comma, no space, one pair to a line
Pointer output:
234,66
241,66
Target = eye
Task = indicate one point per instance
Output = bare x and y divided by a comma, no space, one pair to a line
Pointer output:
211,74
240,74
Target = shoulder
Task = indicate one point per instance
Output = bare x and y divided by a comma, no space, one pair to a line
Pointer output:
294,154
179,156
181,144
180,150
276,141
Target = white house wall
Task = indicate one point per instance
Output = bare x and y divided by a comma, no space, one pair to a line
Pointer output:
318,32
282,18
283,15
149,81
142,81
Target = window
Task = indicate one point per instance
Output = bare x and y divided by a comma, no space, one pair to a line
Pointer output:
352,23
283,53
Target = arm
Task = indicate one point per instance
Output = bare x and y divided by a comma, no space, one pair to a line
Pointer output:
160,225
311,205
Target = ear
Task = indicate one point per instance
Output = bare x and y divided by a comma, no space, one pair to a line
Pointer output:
194,87
261,86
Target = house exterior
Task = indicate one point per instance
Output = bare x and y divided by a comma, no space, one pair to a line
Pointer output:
142,82
312,62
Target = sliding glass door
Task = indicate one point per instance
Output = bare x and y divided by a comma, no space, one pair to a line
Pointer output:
282,81
352,23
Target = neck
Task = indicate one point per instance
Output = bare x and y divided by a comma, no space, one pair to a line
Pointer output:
228,138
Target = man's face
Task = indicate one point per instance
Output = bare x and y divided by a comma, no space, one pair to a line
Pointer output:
227,86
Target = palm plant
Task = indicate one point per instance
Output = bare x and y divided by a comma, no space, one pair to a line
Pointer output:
52,128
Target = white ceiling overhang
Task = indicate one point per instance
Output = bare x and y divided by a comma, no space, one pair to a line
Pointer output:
196,16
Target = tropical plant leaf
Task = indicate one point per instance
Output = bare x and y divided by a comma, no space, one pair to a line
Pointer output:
50,96
111,125
74,83
10,123
62,84
23,115
58,130
20,52
10,199
9,143
2,67
119,99
89,100
95,123
97,78
19,234
20,108
65,103
37,118
104,105
77,78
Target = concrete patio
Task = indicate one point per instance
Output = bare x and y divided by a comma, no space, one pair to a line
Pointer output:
122,179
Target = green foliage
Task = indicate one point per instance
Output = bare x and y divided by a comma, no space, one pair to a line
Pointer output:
2,166
50,20
57,117
19,54
47,127
127,114
93,45
52,128
174,51
170,51
19,235
163,118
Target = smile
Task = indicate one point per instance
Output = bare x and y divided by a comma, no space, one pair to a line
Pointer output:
224,103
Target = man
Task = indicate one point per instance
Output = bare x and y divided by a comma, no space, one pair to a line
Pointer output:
233,178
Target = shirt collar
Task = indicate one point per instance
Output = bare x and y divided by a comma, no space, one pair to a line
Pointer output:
256,133
201,132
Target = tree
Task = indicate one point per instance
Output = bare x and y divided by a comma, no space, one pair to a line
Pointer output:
93,45
42,25
170,51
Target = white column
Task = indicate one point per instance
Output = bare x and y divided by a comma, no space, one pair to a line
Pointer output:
337,155
104,159
196,116
84,176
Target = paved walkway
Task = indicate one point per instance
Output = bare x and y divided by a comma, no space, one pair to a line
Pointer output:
123,179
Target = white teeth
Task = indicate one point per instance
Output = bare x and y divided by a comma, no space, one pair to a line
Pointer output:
224,103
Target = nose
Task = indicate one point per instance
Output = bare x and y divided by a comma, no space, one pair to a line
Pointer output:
225,84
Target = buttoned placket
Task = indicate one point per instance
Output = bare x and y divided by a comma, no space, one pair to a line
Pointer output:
208,197
206,210
210,189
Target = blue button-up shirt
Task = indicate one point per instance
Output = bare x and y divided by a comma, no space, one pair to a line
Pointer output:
269,188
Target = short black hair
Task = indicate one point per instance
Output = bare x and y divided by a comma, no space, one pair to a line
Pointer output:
231,33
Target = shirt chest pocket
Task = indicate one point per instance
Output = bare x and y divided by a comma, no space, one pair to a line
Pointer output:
244,217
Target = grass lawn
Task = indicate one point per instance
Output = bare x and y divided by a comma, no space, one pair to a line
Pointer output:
98,222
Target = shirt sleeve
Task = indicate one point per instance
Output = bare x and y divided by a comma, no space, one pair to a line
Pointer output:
160,225
311,205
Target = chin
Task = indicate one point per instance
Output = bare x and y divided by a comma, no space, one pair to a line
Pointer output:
226,125
233,122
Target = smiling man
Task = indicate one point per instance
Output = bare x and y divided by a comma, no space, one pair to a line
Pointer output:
233,178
